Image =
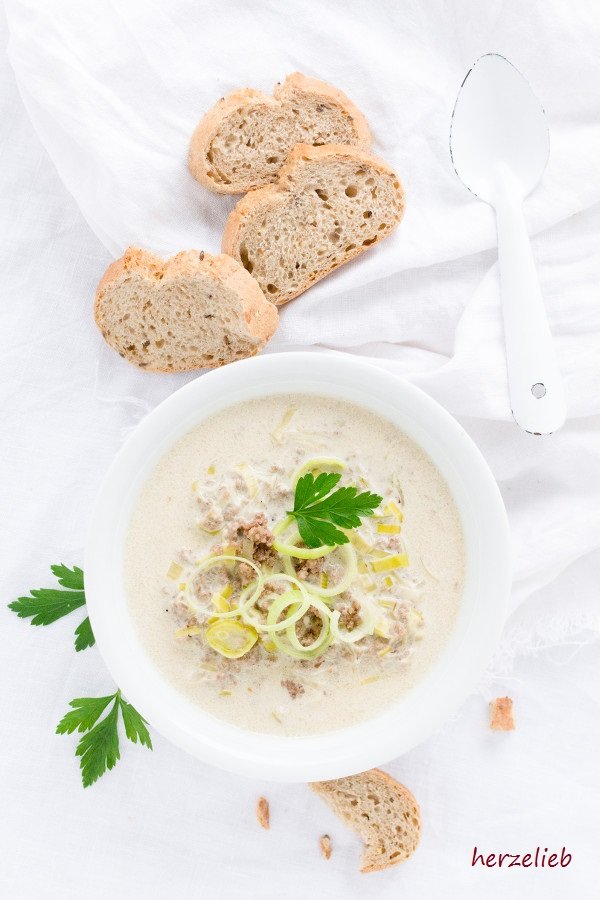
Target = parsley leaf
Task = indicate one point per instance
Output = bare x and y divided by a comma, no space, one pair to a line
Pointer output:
47,605
98,749
317,511
84,636
135,725
69,578
84,715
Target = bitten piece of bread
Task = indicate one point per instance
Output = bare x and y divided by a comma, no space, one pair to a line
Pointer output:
243,141
329,205
501,714
383,812
191,311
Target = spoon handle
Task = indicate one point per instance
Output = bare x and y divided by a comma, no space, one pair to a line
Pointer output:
534,380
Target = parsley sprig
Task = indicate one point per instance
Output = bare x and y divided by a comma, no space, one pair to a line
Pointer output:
318,509
98,749
47,605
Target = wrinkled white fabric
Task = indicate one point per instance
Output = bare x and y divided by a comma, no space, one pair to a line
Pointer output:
113,92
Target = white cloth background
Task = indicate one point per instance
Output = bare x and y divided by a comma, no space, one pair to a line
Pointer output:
113,92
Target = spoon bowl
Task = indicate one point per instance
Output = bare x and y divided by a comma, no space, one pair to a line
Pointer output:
498,125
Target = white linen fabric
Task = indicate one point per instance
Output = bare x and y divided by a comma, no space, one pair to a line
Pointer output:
113,92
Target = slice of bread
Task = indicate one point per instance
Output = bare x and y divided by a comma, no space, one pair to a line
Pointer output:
383,812
193,311
329,204
242,142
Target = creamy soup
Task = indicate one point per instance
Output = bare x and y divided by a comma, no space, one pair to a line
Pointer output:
251,621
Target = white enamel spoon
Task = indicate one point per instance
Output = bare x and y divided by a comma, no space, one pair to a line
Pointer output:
499,144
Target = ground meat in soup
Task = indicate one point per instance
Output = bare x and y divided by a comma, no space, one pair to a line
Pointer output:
309,569
254,538
350,615
222,489
294,688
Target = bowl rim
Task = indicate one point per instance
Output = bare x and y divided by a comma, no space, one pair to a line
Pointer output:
431,701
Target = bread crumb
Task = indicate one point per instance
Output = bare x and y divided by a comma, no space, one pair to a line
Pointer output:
262,813
501,714
325,845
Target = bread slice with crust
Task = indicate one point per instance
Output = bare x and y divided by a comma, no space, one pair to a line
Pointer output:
381,810
243,141
329,205
191,311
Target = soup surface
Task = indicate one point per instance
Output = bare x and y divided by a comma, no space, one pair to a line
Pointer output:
280,643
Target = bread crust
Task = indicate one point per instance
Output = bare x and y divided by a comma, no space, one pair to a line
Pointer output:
203,134
392,785
259,315
208,126
322,89
276,193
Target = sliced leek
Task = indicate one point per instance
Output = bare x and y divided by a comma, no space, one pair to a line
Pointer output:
249,479
277,435
371,679
231,639
325,614
220,599
292,600
209,530
189,631
289,548
387,604
384,528
392,509
174,571
300,597
229,561
350,573
396,561
382,630
281,526
366,627
285,647
316,465
359,542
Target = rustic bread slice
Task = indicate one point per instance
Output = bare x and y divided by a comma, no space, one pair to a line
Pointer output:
190,312
329,204
242,142
383,812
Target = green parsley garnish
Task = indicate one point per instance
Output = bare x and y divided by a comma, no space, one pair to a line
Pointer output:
317,510
46,605
98,749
